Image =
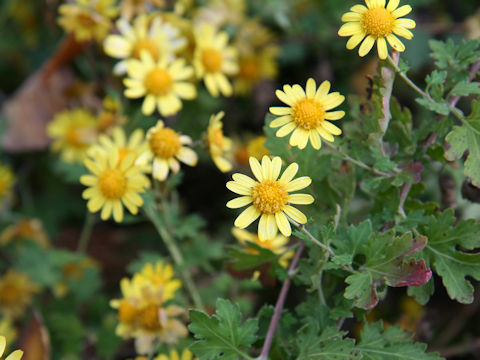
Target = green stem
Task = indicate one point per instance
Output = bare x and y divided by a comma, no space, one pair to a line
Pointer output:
455,111
176,255
86,232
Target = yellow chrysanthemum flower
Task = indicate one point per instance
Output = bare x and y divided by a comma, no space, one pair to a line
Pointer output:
88,19
213,59
16,355
186,355
31,229
130,8
142,313
135,144
166,147
277,245
73,131
161,82
7,181
161,275
377,22
159,38
16,292
112,183
307,114
255,67
254,147
218,144
269,197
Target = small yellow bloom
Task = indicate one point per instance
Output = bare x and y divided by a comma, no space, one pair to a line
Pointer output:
166,147
142,312
112,183
154,36
269,197
88,19
375,22
277,245
135,144
255,67
161,275
73,131
254,147
186,355
31,229
213,59
218,144
161,82
16,292
16,355
7,181
307,114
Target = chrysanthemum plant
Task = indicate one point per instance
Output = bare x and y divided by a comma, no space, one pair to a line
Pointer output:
353,198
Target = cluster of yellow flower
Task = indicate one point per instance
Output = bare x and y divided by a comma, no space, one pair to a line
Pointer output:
145,311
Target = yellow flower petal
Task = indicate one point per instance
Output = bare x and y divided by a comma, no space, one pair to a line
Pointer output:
382,48
366,46
298,184
334,115
350,28
280,110
283,224
295,214
359,9
300,199
239,188
256,168
239,202
16,355
355,40
267,227
406,23
315,139
331,128
395,43
310,88
286,129
289,173
402,11
284,98
244,180
351,16
401,31
392,5
281,121
248,216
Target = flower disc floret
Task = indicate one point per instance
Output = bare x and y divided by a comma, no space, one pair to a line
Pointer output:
150,318
163,83
165,143
127,312
167,147
377,23
146,45
269,197
308,114
112,183
219,145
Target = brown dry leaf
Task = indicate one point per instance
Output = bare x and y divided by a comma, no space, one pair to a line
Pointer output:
41,96
35,341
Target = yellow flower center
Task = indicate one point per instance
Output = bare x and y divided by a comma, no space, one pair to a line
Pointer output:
150,318
165,143
148,45
127,312
86,20
112,183
105,120
269,196
158,82
249,69
78,138
308,113
378,22
10,294
212,59
215,138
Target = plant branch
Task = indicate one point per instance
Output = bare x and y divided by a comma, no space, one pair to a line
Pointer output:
176,255
86,232
455,111
388,77
279,305
403,196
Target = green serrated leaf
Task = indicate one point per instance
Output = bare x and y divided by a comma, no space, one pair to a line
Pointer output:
330,345
465,88
441,108
462,139
224,334
377,343
451,263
